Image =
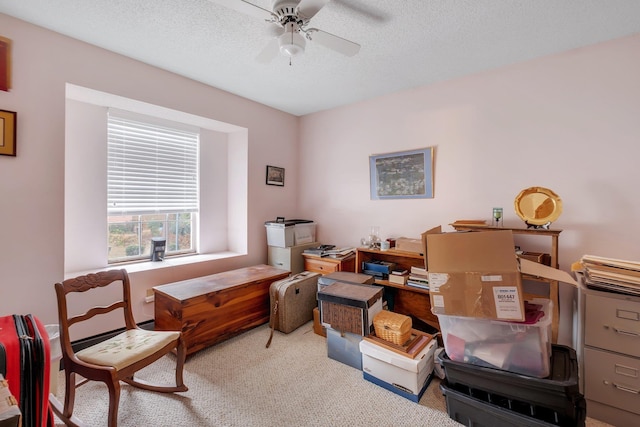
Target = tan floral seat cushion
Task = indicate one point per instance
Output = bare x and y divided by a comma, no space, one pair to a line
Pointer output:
126,348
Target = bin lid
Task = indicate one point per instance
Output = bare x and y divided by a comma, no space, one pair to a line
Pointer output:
281,222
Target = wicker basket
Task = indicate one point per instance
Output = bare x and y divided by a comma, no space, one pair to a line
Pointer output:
392,327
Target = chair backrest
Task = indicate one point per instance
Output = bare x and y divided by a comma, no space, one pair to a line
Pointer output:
85,283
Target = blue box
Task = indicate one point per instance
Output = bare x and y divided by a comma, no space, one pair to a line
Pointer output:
344,348
399,391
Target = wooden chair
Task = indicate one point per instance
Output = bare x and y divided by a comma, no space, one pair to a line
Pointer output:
117,358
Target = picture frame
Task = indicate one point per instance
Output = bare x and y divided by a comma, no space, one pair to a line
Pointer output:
402,175
8,133
5,64
275,176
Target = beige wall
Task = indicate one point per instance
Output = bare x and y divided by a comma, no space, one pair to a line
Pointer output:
569,122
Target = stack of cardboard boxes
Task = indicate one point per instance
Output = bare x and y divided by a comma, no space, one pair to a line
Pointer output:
476,292
347,311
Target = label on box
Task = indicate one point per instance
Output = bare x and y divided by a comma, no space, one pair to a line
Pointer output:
438,300
507,302
436,280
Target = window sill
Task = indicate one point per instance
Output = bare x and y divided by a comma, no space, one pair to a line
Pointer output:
138,267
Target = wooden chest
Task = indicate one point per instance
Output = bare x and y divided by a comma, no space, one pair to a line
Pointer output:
213,308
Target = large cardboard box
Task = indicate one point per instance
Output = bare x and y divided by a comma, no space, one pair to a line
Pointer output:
477,274
434,230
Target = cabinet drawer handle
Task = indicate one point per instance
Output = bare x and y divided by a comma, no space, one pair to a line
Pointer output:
629,333
627,389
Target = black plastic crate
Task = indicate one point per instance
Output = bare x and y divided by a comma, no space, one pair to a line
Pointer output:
558,394
474,412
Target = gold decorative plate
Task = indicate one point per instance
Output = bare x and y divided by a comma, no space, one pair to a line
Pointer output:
538,206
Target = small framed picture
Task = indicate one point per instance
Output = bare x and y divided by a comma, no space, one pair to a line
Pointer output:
5,64
8,133
275,176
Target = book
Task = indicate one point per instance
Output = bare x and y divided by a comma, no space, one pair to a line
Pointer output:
400,279
419,271
399,272
419,279
417,285
318,250
338,252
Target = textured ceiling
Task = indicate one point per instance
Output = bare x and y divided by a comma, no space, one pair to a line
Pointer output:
405,44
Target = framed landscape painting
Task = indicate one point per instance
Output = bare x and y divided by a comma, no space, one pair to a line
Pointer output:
402,175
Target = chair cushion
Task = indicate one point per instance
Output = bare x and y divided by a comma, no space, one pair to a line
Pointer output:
127,348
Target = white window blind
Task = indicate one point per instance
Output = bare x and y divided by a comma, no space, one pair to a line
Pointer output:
151,168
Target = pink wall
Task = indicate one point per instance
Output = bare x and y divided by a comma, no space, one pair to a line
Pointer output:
32,184
568,122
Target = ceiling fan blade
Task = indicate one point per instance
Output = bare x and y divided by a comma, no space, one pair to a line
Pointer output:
333,42
246,8
308,8
270,51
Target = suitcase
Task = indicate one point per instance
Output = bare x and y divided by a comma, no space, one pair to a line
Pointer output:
292,302
26,351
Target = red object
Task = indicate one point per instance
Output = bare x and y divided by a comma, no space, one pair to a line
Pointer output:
455,348
16,363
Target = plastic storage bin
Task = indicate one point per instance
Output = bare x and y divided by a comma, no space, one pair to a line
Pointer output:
474,412
555,399
520,347
284,233
55,356
344,347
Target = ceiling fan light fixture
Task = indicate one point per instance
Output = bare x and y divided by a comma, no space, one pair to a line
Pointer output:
292,43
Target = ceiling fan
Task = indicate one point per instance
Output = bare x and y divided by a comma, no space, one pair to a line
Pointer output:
289,26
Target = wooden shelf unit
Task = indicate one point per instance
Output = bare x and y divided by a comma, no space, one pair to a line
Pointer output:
553,284
408,300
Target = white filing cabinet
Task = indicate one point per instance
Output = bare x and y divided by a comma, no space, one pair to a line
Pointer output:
611,356
289,258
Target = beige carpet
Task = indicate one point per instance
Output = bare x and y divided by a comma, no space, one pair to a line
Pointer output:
241,383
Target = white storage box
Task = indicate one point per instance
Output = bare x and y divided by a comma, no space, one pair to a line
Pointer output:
344,348
520,347
402,372
284,233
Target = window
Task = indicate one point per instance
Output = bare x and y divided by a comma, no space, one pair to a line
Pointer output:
152,188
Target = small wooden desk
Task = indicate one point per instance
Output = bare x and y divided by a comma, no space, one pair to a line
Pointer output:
408,300
213,308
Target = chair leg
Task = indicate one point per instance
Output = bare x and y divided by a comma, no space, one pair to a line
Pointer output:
69,393
181,356
114,402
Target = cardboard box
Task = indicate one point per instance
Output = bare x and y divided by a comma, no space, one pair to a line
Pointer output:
434,230
404,372
350,307
477,274
10,415
409,245
539,257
